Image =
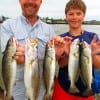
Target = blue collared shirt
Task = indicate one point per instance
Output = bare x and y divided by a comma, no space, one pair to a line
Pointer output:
21,29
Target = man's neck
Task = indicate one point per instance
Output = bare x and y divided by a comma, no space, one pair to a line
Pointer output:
32,19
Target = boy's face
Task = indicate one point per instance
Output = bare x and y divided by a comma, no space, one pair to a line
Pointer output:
75,18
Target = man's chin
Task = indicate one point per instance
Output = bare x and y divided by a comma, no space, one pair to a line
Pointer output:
30,15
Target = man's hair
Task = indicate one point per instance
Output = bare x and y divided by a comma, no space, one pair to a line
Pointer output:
75,4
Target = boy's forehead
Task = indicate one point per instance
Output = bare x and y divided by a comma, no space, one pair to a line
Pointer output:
75,9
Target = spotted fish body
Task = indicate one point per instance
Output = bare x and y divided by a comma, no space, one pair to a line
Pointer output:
73,65
9,67
31,71
49,71
86,65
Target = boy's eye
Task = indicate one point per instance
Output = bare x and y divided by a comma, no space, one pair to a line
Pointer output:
78,13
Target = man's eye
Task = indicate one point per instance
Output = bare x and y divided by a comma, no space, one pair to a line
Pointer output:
70,14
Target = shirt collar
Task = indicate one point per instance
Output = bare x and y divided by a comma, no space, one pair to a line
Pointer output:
25,21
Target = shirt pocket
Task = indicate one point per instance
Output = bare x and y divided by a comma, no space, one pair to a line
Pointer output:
43,40
21,38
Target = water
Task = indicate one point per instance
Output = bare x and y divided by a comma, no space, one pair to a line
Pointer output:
62,28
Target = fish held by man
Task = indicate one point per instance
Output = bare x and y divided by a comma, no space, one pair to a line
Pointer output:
49,70
73,66
31,69
9,68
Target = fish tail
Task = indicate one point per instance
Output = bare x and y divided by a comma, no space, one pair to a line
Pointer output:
4,96
47,96
74,89
31,98
87,92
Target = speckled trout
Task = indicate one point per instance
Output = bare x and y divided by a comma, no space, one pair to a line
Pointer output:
73,65
31,70
49,70
9,67
86,66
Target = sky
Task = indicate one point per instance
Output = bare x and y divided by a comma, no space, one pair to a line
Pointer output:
50,8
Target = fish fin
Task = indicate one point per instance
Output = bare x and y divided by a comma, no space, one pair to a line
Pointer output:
12,98
87,92
4,95
8,98
74,89
47,97
28,99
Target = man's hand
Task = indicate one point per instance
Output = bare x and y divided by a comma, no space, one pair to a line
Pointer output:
19,55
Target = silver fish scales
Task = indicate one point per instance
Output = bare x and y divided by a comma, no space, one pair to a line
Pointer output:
73,65
86,66
31,71
49,70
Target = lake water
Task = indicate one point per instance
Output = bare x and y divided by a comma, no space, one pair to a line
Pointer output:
61,28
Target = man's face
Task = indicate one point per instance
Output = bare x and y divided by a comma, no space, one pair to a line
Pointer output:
30,7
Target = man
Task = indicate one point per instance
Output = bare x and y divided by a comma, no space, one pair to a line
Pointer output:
22,27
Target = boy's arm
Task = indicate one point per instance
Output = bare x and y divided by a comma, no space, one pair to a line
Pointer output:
95,47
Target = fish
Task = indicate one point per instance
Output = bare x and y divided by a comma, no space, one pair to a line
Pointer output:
31,69
73,65
86,66
9,67
49,67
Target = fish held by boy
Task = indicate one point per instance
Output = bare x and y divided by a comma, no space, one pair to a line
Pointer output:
73,65
86,66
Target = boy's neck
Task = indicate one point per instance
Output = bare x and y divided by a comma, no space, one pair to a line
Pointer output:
75,32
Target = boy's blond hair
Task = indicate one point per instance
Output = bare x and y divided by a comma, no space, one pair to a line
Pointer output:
75,4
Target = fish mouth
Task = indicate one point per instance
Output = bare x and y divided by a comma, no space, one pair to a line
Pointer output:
51,45
12,41
34,41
